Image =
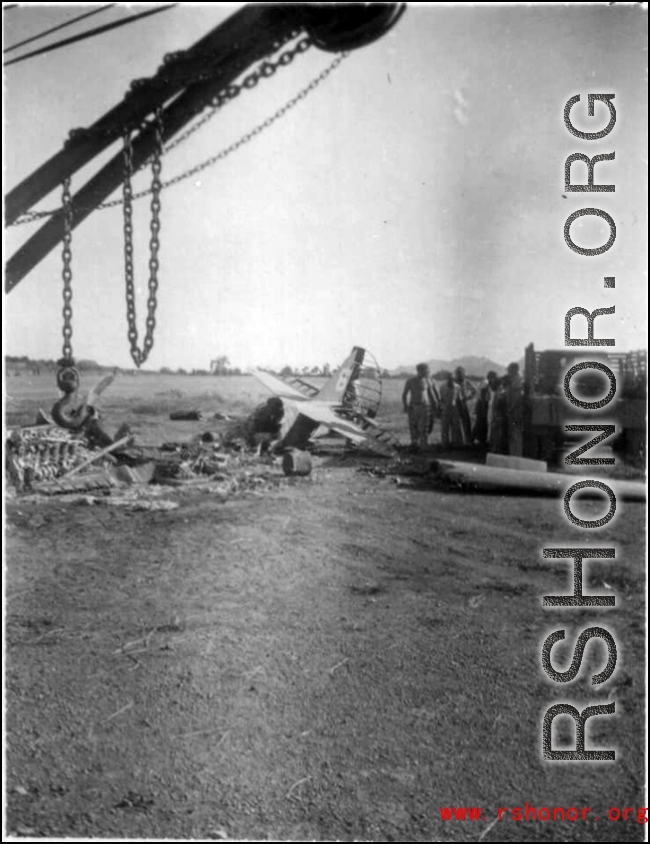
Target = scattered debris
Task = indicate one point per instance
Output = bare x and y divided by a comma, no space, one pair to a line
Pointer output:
131,475
367,589
487,829
296,784
142,504
338,665
133,800
46,460
186,415
410,482
125,708
219,834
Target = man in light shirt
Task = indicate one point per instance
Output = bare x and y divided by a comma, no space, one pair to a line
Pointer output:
466,392
421,402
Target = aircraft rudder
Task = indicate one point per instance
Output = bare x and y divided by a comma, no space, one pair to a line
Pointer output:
334,389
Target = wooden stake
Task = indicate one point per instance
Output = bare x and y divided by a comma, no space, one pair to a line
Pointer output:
93,458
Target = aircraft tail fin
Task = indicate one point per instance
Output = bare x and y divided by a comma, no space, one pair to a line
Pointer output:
335,389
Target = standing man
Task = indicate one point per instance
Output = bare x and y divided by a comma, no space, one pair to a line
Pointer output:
485,409
421,401
466,392
452,432
515,405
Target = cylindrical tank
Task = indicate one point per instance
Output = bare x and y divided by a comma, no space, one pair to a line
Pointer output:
296,462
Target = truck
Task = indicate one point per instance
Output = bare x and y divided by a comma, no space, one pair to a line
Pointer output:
548,412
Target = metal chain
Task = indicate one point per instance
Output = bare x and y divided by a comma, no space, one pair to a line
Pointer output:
67,271
140,355
266,70
222,97
254,132
258,129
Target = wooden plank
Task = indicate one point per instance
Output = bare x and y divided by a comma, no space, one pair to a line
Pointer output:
95,456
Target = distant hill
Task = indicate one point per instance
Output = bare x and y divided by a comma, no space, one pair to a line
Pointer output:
474,366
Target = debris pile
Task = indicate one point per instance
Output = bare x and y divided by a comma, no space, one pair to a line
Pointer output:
210,464
48,460
415,473
183,461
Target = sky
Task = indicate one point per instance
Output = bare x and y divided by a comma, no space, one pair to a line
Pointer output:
413,203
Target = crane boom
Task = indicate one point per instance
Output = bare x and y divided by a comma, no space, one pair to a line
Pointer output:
227,51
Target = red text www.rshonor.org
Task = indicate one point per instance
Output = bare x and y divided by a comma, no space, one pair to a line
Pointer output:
544,813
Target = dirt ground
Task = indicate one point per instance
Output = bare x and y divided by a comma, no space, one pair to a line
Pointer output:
326,658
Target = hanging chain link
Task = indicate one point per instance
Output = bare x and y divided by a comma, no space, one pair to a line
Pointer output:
266,70
260,127
67,272
230,92
140,355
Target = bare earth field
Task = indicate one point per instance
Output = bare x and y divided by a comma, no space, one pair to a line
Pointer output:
331,658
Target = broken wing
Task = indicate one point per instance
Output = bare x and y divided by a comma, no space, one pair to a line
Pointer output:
324,415
278,386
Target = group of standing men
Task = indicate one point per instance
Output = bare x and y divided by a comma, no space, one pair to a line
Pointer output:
499,410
